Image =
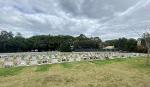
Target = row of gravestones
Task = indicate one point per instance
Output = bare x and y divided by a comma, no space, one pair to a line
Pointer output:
27,59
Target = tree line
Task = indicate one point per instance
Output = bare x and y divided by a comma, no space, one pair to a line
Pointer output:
65,43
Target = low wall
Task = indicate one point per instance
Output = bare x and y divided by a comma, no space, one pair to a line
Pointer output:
39,58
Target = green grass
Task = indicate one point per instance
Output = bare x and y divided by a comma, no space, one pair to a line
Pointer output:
105,62
42,68
138,63
67,65
10,71
131,72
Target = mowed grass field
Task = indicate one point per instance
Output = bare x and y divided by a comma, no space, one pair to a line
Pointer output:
108,73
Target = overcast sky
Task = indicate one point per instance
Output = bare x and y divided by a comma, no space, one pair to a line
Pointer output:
107,19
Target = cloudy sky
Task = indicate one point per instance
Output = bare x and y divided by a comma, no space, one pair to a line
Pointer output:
107,19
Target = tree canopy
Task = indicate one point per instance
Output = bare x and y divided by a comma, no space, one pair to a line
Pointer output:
65,43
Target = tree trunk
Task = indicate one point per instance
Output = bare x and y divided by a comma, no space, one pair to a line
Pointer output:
148,56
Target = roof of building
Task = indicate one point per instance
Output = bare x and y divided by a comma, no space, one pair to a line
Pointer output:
109,47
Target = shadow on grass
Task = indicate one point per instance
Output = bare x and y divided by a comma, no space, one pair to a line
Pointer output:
43,68
10,71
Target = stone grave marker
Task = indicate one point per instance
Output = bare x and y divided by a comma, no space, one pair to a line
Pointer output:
33,60
8,62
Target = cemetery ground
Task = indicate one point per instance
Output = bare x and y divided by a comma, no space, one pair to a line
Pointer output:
130,72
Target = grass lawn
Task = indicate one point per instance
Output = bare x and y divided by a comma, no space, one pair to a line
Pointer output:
108,73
